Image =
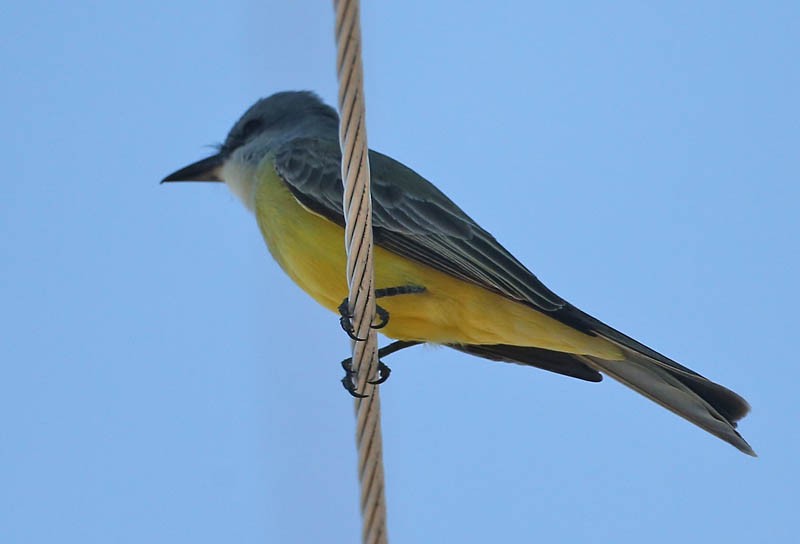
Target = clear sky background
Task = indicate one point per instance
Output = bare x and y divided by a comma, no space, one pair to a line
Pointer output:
163,381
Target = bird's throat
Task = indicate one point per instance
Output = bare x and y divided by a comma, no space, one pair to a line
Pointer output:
241,178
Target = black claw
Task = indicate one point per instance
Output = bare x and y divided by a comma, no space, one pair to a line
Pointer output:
349,380
347,326
383,315
348,384
383,374
346,321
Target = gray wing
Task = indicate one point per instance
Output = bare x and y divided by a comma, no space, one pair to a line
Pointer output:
412,218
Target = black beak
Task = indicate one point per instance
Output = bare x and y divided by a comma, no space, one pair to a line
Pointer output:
202,170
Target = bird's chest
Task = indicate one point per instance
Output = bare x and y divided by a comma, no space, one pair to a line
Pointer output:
308,247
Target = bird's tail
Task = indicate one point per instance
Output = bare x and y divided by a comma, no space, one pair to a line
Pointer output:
686,393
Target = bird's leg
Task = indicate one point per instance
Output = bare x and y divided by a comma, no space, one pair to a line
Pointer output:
346,316
346,321
349,380
383,370
382,314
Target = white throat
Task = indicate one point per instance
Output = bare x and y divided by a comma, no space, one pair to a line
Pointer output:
240,177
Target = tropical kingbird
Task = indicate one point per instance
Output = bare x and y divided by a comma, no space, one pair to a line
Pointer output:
442,278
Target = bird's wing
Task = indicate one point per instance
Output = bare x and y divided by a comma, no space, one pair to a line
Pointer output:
412,218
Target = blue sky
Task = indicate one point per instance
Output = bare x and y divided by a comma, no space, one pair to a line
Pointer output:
163,381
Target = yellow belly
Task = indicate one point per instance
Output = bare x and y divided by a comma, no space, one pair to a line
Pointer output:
310,249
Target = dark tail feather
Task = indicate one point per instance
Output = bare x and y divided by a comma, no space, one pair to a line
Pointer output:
708,405
729,405
693,397
553,361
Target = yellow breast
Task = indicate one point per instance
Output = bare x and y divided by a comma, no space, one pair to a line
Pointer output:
310,249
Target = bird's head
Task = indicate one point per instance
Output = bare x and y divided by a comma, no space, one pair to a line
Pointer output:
266,124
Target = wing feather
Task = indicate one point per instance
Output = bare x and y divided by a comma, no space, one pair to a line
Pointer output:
413,218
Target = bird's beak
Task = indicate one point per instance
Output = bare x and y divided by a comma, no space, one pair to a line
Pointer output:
207,169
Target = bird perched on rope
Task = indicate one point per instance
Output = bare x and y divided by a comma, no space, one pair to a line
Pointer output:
440,277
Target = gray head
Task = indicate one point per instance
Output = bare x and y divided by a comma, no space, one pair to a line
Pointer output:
277,118
284,114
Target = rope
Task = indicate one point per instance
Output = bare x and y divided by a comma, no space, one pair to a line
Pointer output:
357,204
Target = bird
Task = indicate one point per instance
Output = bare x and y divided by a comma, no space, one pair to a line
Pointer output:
440,277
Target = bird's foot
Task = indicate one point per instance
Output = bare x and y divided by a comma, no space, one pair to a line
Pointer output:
346,320
346,316
349,380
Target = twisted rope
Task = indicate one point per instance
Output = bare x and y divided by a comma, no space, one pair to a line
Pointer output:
357,204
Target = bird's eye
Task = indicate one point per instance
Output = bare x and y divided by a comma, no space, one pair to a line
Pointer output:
250,128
